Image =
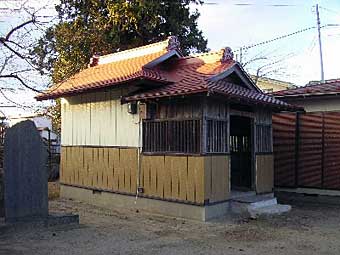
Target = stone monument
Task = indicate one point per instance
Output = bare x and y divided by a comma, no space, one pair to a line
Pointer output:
25,173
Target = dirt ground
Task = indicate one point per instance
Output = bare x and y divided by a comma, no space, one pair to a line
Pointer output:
307,229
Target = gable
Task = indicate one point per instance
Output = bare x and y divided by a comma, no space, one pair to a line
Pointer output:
236,74
164,59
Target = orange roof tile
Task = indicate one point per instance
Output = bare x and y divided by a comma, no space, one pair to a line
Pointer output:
112,69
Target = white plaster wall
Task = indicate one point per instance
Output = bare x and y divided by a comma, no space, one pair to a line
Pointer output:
98,119
318,105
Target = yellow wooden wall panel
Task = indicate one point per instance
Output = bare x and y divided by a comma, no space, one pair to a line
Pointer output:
81,167
69,165
146,175
110,168
63,159
106,159
193,164
207,178
174,168
121,175
92,172
66,166
220,178
116,166
196,176
74,165
133,170
264,173
93,167
87,169
178,164
183,179
153,176
100,167
159,162
167,177
128,163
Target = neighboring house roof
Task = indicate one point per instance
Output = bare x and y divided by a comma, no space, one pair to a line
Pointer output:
330,87
213,73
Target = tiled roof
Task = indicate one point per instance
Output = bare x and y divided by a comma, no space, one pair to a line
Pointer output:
192,75
181,76
112,69
318,89
227,89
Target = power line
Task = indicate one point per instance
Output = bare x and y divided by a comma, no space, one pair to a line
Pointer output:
283,37
329,10
275,39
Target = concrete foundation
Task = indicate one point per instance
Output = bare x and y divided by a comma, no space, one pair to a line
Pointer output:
111,200
308,195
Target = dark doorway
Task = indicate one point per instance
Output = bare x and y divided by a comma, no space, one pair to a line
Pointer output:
241,153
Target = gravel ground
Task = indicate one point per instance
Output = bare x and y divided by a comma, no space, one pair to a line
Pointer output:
307,229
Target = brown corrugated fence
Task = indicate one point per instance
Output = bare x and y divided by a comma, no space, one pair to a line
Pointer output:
307,150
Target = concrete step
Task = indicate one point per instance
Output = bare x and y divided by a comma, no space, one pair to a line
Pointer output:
257,205
269,210
243,207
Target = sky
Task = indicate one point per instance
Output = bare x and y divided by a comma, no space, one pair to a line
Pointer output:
240,23
12,14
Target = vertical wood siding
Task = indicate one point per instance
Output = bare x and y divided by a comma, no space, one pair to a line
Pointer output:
98,119
263,131
100,168
217,178
178,178
264,173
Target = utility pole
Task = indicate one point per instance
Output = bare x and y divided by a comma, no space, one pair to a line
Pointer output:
320,46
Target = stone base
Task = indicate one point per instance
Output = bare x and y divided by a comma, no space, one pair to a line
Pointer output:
112,200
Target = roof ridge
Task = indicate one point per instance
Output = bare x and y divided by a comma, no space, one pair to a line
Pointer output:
129,53
203,54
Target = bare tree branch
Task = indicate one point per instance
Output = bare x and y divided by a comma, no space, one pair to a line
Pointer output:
13,102
14,76
19,27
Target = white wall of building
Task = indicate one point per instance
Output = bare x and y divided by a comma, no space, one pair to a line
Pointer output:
326,104
98,119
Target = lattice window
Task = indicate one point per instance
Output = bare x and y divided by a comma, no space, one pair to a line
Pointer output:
217,136
263,136
174,136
